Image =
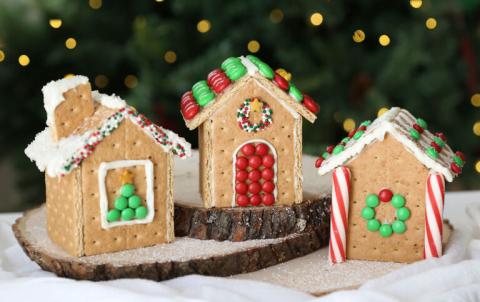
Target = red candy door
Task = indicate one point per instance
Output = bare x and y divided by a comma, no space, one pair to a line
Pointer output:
255,166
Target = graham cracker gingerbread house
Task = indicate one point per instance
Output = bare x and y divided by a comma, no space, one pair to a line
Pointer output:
250,134
388,189
108,171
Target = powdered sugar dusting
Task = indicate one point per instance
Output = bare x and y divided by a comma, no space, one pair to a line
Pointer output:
110,101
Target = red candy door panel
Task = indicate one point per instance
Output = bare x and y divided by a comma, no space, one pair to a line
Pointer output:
255,174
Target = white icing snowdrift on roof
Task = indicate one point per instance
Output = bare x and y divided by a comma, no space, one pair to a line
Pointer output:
390,122
53,94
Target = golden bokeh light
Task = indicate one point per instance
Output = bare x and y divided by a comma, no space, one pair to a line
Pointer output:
23,60
203,26
416,3
253,46
381,111
477,166
2,56
95,4
170,57
358,36
70,43
431,23
276,15
131,81
475,100
101,81
476,128
68,75
384,40
55,23
316,19
348,124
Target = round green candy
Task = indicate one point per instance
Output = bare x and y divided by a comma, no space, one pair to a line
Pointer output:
346,140
403,214
113,215
439,141
127,190
338,149
358,134
368,213
206,98
253,59
399,227
235,72
422,123
120,203
414,134
458,161
295,93
373,225
141,212
366,123
386,230
398,201
228,61
134,201
372,200
128,214
325,155
432,152
265,70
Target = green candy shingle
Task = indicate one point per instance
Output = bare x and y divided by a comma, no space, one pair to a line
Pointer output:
127,190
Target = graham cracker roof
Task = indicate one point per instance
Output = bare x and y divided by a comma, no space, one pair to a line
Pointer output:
60,158
430,149
220,83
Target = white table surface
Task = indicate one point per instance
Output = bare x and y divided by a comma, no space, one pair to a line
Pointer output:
454,277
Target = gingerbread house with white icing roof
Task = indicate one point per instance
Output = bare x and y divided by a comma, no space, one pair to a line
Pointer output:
388,189
108,171
250,134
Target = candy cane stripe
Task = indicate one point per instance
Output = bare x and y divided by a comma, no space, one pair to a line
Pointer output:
434,199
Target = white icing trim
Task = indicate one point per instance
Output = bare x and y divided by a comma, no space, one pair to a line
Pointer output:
53,94
234,157
103,199
251,68
110,101
376,132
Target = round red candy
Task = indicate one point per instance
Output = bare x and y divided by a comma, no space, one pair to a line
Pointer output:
352,133
385,195
362,128
218,80
455,168
442,136
268,187
255,161
310,104
436,147
461,155
330,148
243,200
280,81
261,149
418,128
319,162
190,111
268,199
254,175
248,149
241,188
255,200
187,98
242,163
268,161
241,176
254,188
267,174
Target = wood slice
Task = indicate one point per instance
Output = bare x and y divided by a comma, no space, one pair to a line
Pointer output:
182,257
192,219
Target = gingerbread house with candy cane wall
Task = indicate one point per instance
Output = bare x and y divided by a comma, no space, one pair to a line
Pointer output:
388,189
250,134
108,171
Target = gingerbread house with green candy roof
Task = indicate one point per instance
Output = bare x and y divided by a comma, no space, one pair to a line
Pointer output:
108,171
250,134
388,189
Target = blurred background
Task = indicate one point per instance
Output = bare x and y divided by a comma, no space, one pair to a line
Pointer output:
355,58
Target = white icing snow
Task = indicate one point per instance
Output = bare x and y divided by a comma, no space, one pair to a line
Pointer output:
50,156
376,132
251,68
53,94
110,101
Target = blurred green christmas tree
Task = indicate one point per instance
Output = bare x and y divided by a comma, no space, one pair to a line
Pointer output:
353,57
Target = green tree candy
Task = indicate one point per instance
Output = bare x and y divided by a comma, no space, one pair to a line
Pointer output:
403,214
253,59
141,212
235,72
358,134
325,155
265,70
398,201
338,149
120,203
422,123
127,190
458,160
366,123
368,213
113,215
439,141
373,225
372,200
386,230
134,201
399,227
128,214
432,152
295,93
345,140
229,61
414,134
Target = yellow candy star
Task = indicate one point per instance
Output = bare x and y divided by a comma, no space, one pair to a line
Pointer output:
284,74
256,105
126,177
